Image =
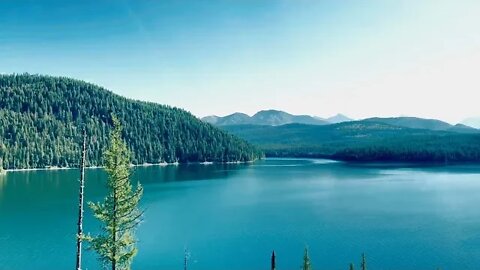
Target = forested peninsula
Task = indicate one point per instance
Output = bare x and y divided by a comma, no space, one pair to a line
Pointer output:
42,117
364,141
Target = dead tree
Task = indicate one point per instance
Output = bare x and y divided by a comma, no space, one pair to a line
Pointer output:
80,204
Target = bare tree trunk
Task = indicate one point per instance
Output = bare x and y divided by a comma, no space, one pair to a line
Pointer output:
80,204
114,249
114,212
1,165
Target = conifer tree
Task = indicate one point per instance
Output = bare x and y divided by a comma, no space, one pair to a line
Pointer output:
364,262
186,257
119,212
307,265
273,261
352,267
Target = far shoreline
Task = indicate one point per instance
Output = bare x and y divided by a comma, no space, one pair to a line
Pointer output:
161,164
366,164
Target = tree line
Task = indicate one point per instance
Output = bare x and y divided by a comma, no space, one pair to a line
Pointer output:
41,119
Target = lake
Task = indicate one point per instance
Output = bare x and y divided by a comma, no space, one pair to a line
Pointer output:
232,216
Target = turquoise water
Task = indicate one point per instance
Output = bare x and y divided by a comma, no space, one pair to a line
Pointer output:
233,216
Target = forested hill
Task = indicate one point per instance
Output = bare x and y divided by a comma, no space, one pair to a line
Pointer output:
364,141
41,118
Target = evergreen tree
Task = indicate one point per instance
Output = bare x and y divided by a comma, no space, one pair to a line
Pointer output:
273,261
364,262
307,265
186,257
119,212
352,267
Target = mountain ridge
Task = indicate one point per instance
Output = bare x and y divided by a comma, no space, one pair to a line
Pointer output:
277,117
272,117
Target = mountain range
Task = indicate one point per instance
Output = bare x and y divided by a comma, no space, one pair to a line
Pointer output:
278,118
410,139
273,118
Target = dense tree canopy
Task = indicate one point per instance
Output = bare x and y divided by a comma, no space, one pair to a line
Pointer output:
363,141
41,118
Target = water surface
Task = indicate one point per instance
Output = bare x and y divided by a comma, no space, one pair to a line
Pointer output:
233,216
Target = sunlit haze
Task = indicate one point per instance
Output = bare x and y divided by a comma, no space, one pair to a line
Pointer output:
359,58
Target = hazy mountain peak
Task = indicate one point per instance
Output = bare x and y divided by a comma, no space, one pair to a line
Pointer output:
464,129
339,118
472,122
272,118
212,119
265,117
271,113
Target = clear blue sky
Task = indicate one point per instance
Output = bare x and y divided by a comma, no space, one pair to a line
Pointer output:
361,58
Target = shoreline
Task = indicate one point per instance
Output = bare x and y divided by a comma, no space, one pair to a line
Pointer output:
206,163
161,164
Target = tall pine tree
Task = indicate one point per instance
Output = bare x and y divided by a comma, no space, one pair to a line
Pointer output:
273,261
364,262
307,265
119,212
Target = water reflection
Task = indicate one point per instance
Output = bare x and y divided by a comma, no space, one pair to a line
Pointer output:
185,172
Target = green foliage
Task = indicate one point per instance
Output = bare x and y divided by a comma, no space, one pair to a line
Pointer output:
41,119
364,262
351,267
362,141
118,213
307,265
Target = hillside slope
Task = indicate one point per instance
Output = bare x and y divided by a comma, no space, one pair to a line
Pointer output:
362,141
412,122
41,118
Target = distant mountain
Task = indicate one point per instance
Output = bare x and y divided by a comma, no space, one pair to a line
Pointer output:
232,119
472,122
412,122
266,117
364,141
339,118
212,119
278,118
461,128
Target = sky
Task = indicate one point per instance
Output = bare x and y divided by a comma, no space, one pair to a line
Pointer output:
360,58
